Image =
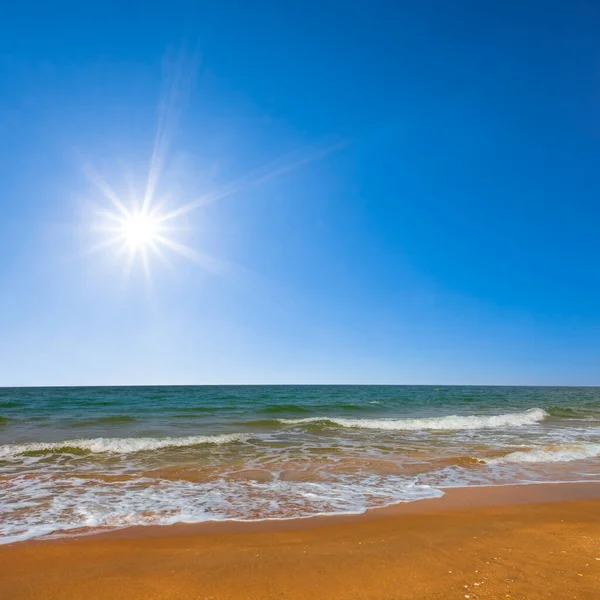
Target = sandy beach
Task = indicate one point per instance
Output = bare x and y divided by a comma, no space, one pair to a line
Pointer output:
518,542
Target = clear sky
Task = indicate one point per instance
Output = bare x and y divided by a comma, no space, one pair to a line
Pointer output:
381,192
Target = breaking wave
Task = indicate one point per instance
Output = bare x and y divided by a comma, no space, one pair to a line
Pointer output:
550,455
451,422
114,445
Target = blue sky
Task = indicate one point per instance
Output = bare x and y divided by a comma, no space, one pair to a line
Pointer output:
441,227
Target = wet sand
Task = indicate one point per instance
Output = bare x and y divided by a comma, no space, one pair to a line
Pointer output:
515,542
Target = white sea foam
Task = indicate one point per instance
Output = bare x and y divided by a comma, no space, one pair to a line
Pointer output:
46,505
550,455
451,422
119,445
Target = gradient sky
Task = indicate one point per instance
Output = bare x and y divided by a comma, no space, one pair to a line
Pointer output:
451,235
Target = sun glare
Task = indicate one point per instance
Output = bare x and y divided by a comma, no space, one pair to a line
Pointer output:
140,230
146,221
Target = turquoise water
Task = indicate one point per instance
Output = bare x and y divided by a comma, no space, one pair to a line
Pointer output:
75,459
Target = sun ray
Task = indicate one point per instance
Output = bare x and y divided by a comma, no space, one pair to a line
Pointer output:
108,192
252,180
142,223
130,258
105,244
210,263
140,228
158,252
145,263
111,217
138,235
178,84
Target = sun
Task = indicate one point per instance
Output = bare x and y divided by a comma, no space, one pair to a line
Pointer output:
137,229
137,232
140,230
147,220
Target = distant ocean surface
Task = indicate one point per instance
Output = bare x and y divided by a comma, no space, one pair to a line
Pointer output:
75,459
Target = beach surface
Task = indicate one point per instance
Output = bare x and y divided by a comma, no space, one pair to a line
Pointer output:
516,542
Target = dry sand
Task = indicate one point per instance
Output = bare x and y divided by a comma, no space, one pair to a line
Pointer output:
513,542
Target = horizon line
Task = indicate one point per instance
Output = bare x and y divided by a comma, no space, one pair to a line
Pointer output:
142,385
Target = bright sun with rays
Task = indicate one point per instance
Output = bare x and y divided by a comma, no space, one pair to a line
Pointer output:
136,231
138,227
140,230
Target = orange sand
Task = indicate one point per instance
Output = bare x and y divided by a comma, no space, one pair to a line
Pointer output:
520,542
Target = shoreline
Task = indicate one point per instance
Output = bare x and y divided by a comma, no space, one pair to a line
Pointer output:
521,542
454,498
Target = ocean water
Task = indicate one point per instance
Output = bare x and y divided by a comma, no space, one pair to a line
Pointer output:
76,460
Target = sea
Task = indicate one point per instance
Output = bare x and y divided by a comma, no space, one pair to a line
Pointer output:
87,459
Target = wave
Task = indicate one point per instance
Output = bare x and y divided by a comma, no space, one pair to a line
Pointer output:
110,420
114,445
550,455
462,461
284,408
451,422
202,409
563,412
4,420
11,404
95,403
84,502
309,408
262,423
191,415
